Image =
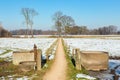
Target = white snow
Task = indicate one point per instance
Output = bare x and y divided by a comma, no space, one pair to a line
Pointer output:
85,76
118,71
51,57
12,78
107,45
113,64
105,76
6,55
23,78
2,51
25,43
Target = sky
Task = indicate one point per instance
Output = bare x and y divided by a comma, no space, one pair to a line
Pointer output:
90,13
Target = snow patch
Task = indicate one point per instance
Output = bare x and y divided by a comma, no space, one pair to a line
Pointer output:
85,76
51,57
7,55
2,51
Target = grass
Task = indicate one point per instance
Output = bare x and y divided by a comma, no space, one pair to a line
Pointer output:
7,68
71,70
1,60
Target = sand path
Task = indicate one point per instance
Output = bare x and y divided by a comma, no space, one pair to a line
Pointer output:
59,67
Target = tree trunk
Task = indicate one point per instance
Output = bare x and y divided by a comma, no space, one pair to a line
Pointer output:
27,31
32,32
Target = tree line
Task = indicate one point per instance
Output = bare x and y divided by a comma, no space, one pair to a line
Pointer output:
35,32
83,30
72,30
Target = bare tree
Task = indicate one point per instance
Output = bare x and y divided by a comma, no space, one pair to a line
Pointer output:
32,14
29,15
57,20
66,22
62,22
26,14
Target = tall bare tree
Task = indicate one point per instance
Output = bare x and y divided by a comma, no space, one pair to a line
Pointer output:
62,22
26,14
29,15
33,13
57,20
66,22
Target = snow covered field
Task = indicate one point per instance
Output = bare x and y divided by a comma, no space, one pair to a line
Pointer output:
108,45
8,45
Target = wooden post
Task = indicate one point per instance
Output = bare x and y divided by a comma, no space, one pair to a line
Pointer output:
47,56
35,52
37,57
73,53
38,62
78,60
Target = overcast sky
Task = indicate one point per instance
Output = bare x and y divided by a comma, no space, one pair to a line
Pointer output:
91,13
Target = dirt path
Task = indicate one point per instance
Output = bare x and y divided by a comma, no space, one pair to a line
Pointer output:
59,67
